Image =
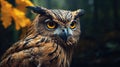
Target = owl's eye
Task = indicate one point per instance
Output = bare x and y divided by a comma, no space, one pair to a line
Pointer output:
73,25
50,24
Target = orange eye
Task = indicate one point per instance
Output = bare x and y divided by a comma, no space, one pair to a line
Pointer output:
51,25
73,25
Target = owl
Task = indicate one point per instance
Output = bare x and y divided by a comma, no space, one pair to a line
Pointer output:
49,41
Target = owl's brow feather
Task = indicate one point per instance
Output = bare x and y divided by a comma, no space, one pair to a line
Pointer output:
62,15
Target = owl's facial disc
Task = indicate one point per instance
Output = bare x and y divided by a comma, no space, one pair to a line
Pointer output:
64,32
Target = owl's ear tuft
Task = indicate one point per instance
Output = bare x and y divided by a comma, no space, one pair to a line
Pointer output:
36,9
81,12
78,13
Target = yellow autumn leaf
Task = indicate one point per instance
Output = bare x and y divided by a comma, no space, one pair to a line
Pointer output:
20,18
6,9
8,12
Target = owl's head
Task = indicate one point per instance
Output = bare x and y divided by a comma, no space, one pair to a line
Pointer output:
60,25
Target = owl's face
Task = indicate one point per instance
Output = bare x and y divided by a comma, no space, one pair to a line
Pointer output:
60,25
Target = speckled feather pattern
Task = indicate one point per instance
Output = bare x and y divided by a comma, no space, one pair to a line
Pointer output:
35,51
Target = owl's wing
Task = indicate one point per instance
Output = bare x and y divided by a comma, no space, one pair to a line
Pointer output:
28,52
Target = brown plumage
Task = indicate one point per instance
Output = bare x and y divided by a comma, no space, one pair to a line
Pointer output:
49,41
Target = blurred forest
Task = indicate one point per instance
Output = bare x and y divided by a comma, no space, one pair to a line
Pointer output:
100,39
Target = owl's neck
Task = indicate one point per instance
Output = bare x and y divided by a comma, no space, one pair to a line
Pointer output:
62,57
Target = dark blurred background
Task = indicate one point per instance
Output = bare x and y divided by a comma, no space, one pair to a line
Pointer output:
100,39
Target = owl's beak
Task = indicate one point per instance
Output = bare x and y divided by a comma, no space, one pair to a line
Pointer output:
65,34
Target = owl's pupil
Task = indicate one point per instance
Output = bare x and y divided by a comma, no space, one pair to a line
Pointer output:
72,24
51,24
